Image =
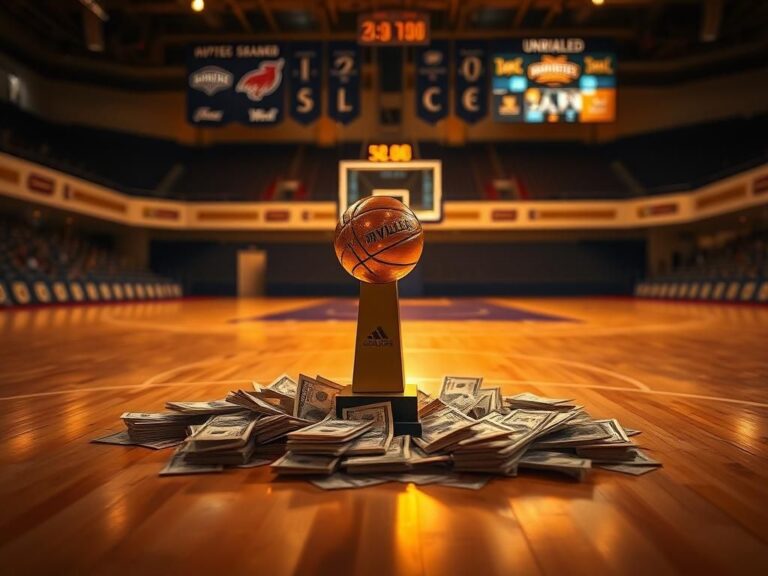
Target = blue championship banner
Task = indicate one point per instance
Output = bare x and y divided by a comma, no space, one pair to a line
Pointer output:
432,82
305,67
471,95
343,81
235,83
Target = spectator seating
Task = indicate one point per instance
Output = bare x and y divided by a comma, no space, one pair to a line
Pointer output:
48,266
736,271
668,161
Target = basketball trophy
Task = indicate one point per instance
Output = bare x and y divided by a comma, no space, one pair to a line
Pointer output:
378,241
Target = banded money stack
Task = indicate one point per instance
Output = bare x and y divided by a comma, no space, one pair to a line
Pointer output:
378,241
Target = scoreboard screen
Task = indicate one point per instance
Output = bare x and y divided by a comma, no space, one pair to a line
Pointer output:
396,28
541,80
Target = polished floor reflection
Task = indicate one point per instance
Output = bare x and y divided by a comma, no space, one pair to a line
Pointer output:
693,377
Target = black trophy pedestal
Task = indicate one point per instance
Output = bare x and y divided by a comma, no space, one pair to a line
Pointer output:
405,407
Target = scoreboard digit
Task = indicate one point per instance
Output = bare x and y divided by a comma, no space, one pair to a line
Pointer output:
393,29
390,153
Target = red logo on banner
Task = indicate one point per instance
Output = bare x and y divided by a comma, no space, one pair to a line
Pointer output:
262,81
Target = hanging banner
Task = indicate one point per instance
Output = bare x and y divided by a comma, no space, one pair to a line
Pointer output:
343,81
471,94
432,82
305,67
235,83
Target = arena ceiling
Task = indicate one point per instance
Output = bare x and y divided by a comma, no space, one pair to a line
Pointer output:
144,40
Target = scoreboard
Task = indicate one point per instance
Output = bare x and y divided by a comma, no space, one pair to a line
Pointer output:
395,28
553,80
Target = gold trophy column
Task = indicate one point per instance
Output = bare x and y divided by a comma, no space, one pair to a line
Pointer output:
378,350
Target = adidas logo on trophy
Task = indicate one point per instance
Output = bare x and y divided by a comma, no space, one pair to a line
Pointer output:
378,338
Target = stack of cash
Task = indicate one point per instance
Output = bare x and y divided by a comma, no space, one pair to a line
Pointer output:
469,434
556,462
377,439
271,428
594,434
394,460
498,442
225,439
330,437
154,426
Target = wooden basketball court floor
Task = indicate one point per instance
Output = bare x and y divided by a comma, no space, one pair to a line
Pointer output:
692,377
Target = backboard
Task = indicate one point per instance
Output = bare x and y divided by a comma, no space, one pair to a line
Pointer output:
418,184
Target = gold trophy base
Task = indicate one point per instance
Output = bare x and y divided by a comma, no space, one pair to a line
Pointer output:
405,407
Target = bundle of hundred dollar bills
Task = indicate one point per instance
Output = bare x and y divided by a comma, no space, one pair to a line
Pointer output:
470,434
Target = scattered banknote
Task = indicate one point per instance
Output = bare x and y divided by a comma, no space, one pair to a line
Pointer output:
423,399
379,437
625,469
486,401
556,462
252,401
315,399
223,431
339,481
178,465
280,392
419,479
465,481
120,438
460,391
254,463
441,426
305,464
284,384
123,438
626,456
208,407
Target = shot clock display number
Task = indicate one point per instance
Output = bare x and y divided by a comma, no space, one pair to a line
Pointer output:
393,29
390,153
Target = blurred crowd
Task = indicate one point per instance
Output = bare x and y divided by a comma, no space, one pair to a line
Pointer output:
29,249
741,256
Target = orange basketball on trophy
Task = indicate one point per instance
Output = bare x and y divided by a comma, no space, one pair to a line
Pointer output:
379,240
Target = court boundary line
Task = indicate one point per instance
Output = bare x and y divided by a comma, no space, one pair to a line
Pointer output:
536,383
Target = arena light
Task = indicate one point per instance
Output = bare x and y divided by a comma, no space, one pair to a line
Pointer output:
96,9
198,5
